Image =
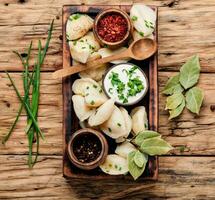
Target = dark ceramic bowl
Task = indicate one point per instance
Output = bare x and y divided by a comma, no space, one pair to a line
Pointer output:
99,160
119,43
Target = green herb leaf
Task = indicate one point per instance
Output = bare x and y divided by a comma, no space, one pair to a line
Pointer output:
134,170
140,159
141,33
189,72
177,111
145,135
134,18
173,86
194,99
174,100
155,146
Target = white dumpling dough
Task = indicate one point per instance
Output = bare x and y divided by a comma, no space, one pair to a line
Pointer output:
105,52
82,111
139,119
114,165
79,85
124,149
82,49
78,25
102,114
137,36
128,125
114,127
94,95
143,18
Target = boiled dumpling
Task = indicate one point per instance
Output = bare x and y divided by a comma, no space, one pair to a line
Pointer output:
114,165
78,25
82,49
124,149
114,127
94,95
95,74
139,119
79,85
143,18
136,36
102,114
104,52
82,111
128,125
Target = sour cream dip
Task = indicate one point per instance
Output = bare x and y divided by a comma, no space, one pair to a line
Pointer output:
126,83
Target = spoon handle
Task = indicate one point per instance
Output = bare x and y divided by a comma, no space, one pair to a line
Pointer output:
121,55
93,64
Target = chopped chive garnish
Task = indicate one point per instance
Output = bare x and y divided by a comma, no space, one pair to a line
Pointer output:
92,102
134,18
109,129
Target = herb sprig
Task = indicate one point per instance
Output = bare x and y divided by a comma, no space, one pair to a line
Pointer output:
30,81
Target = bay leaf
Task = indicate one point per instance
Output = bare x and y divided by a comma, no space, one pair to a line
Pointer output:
140,158
172,85
145,135
155,146
134,170
194,99
174,100
177,111
189,72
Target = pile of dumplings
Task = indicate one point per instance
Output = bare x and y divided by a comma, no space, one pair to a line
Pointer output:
91,105
95,110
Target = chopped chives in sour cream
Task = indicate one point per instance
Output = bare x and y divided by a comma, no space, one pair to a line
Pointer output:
126,83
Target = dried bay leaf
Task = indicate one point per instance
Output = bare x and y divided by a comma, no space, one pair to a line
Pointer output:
134,170
189,72
145,135
194,99
173,85
177,111
155,146
174,100
140,159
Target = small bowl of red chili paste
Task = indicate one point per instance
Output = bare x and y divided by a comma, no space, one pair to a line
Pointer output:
112,27
87,148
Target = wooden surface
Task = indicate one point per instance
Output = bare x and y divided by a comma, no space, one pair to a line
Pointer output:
186,27
71,122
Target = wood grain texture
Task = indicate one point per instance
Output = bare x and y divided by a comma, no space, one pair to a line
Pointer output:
197,133
180,178
71,122
182,32
185,28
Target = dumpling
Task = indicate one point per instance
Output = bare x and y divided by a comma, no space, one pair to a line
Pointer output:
82,49
136,36
115,165
84,124
82,111
124,149
95,74
94,95
104,52
102,114
128,125
78,25
139,119
79,85
114,127
143,18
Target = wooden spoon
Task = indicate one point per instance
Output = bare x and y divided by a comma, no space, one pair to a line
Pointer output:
138,50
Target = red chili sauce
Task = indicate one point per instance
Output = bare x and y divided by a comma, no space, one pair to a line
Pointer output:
112,27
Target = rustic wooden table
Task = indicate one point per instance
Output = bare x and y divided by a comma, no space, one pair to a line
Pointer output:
186,27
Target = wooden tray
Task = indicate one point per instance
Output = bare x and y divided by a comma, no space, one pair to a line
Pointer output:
70,121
